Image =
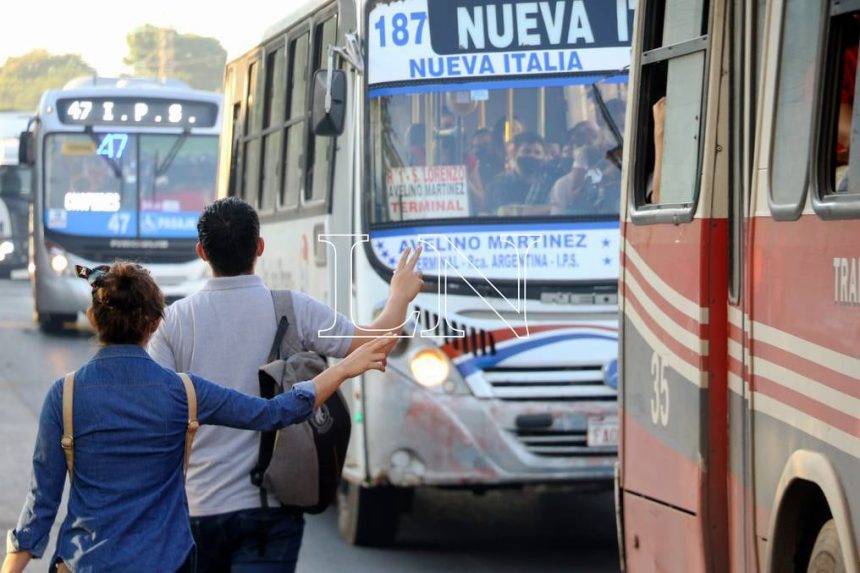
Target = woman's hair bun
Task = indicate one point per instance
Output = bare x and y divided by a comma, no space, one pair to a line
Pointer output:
126,304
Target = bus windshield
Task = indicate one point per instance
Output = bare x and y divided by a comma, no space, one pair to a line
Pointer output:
128,185
512,152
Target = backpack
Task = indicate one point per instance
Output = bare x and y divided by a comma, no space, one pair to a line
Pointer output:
300,464
68,439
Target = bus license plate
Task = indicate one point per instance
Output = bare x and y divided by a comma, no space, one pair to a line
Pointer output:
602,432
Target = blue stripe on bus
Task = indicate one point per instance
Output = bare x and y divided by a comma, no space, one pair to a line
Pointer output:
481,362
496,85
490,228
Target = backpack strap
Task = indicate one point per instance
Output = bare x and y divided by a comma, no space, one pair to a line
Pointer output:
284,344
68,440
193,424
283,303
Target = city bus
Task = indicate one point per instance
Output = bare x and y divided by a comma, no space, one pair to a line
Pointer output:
740,365
122,169
14,194
361,129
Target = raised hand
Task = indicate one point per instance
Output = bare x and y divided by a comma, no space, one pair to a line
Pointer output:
372,355
407,282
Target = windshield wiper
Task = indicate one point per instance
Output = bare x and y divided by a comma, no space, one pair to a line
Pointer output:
614,154
171,155
117,170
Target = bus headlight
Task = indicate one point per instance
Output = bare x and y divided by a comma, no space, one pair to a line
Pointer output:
430,367
59,263
6,248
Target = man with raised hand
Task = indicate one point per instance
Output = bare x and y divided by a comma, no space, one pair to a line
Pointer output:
224,333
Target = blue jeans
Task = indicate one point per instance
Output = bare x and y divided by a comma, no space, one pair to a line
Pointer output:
230,542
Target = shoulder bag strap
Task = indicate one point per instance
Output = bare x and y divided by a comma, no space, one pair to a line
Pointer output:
68,440
193,424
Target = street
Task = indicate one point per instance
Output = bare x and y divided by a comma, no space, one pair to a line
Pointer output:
508,531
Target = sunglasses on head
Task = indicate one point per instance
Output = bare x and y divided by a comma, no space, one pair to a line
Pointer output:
93,276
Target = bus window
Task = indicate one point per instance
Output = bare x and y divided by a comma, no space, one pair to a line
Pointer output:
177,172
670,105
459,154
296,124
795,90
842,168
272,121
251,155
320,149
14,181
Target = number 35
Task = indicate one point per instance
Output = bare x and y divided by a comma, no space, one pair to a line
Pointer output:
660,391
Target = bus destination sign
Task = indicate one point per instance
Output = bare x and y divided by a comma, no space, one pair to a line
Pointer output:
417,40
141,112
483,26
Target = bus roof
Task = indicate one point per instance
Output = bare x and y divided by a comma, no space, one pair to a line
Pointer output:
297,11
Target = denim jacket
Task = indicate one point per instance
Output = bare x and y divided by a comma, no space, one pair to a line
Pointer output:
127,508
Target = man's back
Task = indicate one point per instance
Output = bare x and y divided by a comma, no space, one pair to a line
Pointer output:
222,333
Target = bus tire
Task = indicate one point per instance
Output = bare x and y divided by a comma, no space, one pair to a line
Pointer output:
55,323
826,554
368,516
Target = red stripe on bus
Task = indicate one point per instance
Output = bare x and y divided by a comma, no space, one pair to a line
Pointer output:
807,367
814,408
674,253
664,304
694,359
505,334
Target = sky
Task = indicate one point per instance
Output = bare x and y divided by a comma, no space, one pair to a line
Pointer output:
96,29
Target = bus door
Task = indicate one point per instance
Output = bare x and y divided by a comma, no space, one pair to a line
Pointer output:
674,279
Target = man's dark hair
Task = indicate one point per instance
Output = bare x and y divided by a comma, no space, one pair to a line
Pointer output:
229,229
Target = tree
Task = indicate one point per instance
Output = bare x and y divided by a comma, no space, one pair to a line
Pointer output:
24,78
162,52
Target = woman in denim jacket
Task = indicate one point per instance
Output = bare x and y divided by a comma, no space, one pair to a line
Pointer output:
127,509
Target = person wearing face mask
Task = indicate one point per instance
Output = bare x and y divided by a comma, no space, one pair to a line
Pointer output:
484,162
527,182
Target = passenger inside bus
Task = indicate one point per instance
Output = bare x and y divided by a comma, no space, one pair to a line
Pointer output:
527,182
850,37
658,112
592,183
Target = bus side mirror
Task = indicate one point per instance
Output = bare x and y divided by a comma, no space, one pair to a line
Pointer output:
329,110
26,155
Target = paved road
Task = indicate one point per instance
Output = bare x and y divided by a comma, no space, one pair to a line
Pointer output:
447,531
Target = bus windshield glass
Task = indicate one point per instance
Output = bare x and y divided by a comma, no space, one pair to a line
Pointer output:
128,185
514,152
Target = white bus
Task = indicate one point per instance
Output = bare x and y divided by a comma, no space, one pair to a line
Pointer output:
122,169
14,194
491,134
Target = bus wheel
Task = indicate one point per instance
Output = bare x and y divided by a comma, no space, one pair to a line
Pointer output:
368,516
55,323
827,553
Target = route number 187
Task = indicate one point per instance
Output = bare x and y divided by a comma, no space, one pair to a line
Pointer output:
401,24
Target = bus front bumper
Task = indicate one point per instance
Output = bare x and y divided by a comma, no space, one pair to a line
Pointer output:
419,437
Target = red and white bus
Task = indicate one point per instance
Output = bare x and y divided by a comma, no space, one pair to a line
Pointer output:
740,343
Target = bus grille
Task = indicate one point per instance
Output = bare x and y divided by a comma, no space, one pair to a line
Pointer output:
569,383
560,444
